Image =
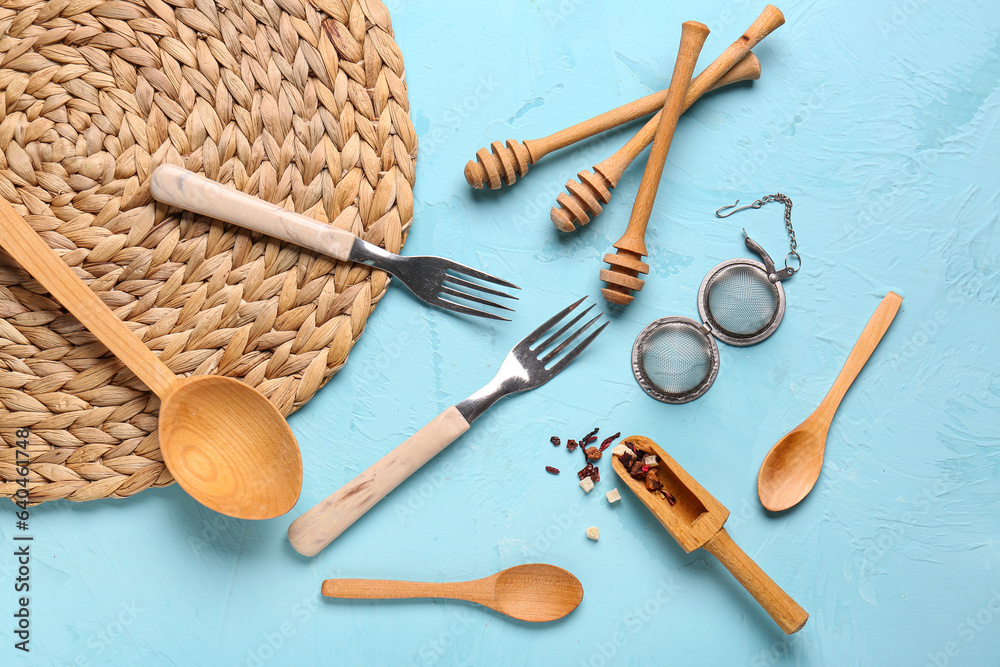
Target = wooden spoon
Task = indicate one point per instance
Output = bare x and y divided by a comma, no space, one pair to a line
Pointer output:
223,442
534,592
696,519
792,467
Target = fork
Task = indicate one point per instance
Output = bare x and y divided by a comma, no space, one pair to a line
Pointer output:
431,279
526,366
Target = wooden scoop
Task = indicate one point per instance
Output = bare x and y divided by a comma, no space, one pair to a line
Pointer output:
534,593
696,520
223,442
791,468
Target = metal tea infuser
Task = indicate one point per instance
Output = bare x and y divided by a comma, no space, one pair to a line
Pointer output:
741,302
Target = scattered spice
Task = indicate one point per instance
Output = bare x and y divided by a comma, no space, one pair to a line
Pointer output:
554,471
608,441
641,465
571,444
555,441
653,482
591,471
592,453
589,438
670,498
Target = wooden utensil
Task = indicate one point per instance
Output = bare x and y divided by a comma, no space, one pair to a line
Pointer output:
696,519
534,592
507,163
626,264
792,467
223,442
583,200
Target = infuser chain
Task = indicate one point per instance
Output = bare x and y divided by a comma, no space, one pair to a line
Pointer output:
792,243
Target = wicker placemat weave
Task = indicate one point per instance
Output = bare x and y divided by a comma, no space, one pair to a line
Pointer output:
300,102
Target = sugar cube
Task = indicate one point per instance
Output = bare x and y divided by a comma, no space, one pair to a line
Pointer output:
650,460
587,484
592,533
619,449
613,496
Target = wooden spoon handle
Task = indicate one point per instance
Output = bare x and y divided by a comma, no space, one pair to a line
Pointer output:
785,611
185,189
385,589
45,266
322,524
856,360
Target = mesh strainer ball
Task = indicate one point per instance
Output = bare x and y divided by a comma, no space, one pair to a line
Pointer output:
675,360
740,303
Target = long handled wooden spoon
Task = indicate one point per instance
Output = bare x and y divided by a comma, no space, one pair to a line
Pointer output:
534,592
696,519
223,442
624,267
792,467
583,200
509,162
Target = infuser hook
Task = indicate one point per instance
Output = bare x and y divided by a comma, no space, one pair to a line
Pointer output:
756,204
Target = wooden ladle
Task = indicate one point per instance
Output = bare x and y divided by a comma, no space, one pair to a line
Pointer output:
534,592
223,442
792,467
695,519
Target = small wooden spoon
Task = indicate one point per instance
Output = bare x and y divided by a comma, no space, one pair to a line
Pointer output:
696,519
534,592
223,441
792,467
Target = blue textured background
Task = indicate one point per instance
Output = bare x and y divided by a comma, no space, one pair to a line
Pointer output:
880,120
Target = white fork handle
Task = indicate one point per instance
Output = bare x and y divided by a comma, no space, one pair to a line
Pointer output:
185,189
322,524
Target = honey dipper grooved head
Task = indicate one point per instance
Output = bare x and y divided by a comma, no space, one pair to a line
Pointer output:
501,166
581,201
622,276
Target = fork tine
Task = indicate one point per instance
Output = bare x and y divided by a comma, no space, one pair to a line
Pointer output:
475,286
572,354
562,346
466,310
554,337
547,324
475,299
462,269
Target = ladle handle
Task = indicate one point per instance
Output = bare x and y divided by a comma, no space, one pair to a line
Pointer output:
785,611
45,266
856,360
185,189
322,524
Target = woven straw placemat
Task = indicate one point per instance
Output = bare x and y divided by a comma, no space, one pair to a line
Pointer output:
300,102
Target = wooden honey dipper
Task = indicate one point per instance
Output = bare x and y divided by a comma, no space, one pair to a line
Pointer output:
626,265
584,199
507,163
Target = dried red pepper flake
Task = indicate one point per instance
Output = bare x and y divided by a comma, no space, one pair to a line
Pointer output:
554,471
571,444
555,441
587,438
607,441
670,498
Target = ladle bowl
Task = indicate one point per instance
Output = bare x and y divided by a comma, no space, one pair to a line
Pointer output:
222,440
